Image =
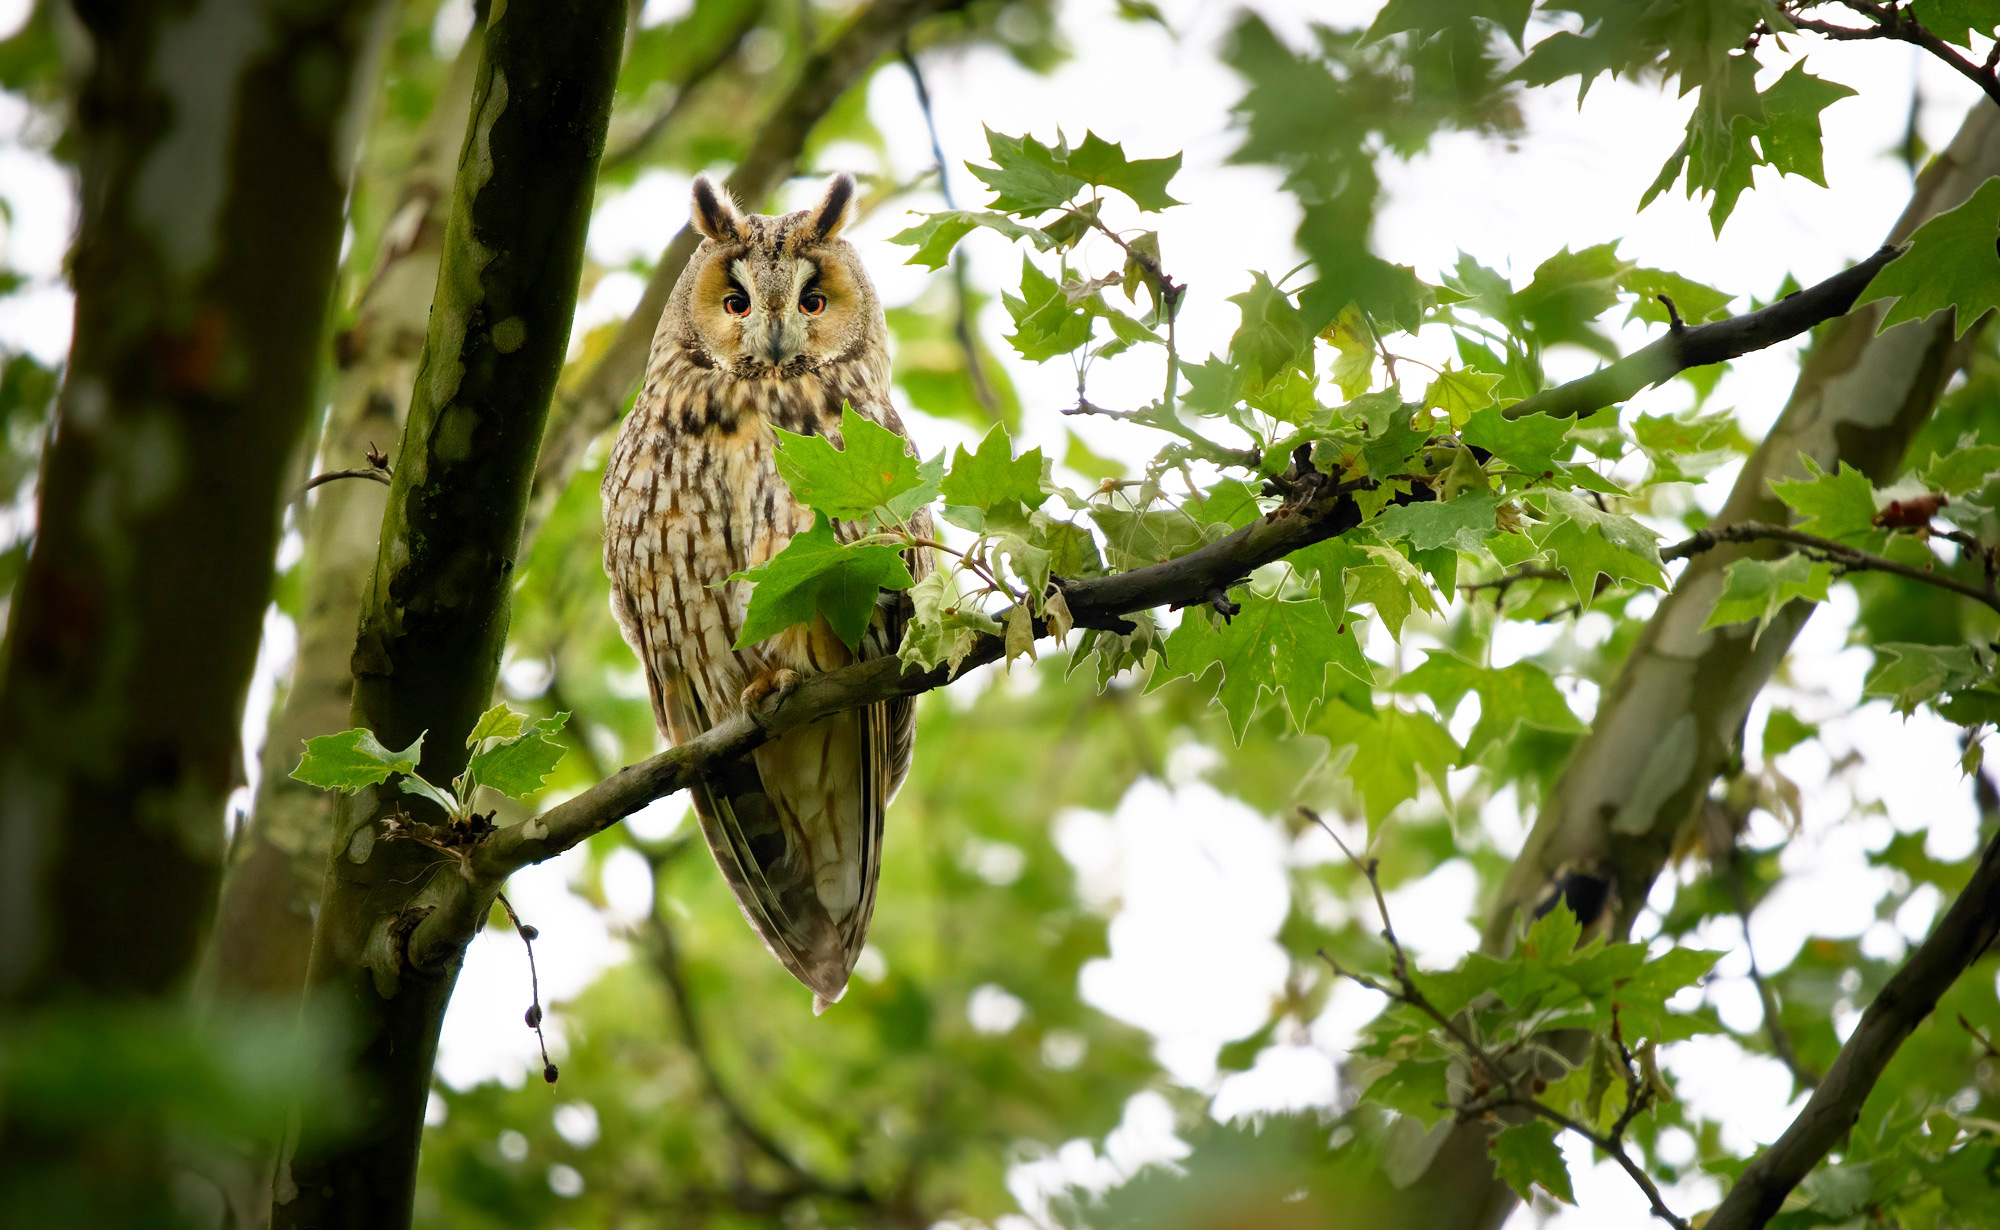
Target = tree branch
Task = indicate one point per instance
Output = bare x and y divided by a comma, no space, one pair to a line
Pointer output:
458,903
1701,345
1492,1067
1844,557
665,950
747,16
962,327
1961,937
1900,27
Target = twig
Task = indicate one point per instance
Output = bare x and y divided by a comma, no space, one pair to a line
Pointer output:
1985,1040
1891,23
1774,1029
666,959
1961,936
1506,581
963,326
1842,556
534,1014
1502,1094
376,469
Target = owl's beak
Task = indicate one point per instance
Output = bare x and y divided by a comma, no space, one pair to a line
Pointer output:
774,341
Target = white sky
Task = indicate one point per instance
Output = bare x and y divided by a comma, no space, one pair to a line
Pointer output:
1195,882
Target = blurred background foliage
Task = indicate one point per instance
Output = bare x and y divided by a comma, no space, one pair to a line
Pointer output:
693,1092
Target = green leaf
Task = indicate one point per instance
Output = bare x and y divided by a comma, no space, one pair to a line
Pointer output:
1695,301
353,759
517,765
872,468
1839,505
1525,1156
1417,1089
1046,322
1025,178
1952,262
1271,645
1462,523
817,574
1538,445
1134,539
499,722
940,630
1391,584
992,477
1272,339
1587,541
1103,163
1459,393
1509,697
939,233
1390,746
1755,589
1956,21
1963,469
1790,135
1392,436
1911,675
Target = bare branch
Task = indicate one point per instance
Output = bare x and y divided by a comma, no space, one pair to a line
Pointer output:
1962,936
962,327
1700,345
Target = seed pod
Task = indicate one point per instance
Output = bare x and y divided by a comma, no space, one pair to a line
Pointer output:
549,1074
529,933
534,1016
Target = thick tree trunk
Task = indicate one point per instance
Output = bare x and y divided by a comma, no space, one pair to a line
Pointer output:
434,618
1663,732
211,143
263,931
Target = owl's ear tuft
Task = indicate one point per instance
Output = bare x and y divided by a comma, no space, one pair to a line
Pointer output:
715,214
836,209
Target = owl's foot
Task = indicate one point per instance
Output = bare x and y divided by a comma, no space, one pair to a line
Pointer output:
768,689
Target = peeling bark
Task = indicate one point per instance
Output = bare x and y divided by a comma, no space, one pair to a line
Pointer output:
434,616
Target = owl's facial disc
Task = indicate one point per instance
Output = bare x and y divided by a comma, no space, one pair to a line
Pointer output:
773,298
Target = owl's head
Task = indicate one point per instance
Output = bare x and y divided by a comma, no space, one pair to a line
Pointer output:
777,296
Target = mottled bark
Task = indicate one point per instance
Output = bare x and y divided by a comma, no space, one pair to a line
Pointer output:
434,617
263,930
211,145
1664,730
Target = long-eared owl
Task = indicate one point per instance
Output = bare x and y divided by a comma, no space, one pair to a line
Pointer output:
773,324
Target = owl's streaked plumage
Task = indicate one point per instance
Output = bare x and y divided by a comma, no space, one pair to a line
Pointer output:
774,323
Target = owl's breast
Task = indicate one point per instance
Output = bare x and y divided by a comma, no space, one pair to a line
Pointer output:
684,512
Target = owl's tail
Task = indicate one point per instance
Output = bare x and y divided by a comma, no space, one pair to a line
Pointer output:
796,829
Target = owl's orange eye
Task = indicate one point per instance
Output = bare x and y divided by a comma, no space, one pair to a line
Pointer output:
812,303
736,303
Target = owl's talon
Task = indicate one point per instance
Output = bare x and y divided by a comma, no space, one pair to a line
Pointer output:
768,689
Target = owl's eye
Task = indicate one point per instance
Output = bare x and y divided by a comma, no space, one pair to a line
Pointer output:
736,303
812,303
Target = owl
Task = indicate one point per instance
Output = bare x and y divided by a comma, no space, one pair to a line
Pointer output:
773,324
